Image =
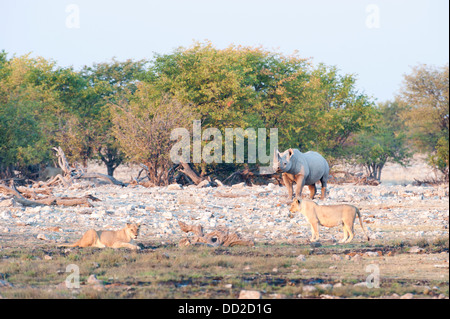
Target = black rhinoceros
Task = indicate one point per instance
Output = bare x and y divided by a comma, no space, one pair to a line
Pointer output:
302,169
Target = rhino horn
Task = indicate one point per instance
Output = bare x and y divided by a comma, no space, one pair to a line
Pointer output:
276,159
276,155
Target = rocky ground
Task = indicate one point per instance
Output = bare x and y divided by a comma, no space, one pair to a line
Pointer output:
394,212
258,212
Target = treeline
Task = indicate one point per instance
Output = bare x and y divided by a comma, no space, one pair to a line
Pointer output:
123,111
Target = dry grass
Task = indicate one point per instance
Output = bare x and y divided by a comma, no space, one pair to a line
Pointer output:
167,271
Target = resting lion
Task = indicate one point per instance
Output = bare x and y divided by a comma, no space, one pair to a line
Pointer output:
123,238
328,216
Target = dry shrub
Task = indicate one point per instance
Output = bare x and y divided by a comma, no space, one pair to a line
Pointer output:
143,126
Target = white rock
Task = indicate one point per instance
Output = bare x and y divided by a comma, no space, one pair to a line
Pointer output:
371,254
42,237
5,215
249,294
174,187
92,280
416,250
8,203
167,215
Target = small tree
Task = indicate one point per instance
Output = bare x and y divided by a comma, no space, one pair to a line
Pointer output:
385,142
110,81
425,94
143,126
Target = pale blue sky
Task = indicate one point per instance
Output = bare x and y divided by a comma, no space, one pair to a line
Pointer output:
334,32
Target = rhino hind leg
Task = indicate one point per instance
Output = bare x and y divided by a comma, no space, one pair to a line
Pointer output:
312,190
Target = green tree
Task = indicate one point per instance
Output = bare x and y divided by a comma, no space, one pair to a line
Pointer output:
386,141
323,112
109,83
27,118
425,92
314,108
85,125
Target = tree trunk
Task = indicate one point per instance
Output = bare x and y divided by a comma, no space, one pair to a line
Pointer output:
111,159
110,168
379,168
188,171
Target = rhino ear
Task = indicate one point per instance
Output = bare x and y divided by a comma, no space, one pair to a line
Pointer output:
291,151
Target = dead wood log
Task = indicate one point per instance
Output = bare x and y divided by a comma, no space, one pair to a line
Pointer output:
104,177
245,175
47,201
196,229
189,172
58,179
62,161
73,173
32,193
19,198
73,201
219,237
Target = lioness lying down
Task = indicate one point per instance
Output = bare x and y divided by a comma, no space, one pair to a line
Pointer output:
123,238
328,216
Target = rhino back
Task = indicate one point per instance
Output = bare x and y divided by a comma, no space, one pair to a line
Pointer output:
318,167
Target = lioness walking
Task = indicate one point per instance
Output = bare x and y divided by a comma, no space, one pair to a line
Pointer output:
328,216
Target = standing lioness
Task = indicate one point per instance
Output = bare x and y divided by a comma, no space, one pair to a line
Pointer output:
122,238
328,216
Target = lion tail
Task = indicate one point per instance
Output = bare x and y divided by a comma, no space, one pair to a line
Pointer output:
361,222
71,245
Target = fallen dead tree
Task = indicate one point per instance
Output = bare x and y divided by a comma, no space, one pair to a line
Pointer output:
41,193
19,197
189,172
72,173
346,177
29,198
252,176
219,237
